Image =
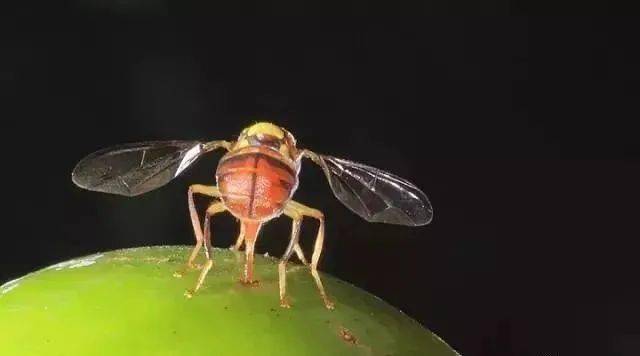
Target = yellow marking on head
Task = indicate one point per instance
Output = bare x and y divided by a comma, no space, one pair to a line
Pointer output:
265,128
287,141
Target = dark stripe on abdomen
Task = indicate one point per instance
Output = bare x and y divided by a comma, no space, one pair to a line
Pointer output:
255,185
254,177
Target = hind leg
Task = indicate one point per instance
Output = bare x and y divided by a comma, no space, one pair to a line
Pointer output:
239,240
211,191
296,210
213,209
300,254
282,266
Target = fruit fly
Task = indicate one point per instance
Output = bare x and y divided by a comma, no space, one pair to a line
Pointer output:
256,180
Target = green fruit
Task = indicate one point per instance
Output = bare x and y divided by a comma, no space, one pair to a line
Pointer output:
128,302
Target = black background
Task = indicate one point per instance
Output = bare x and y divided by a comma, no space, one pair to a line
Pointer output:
520,129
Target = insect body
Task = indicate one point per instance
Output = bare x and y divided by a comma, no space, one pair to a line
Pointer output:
256,180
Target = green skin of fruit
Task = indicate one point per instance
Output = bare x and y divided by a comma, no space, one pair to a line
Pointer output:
127,302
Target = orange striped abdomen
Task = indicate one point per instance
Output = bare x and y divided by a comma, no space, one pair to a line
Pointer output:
255,183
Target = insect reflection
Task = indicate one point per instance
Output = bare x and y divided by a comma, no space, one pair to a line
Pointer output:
256,180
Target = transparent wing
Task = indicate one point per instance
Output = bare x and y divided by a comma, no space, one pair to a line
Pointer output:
135,168
376,195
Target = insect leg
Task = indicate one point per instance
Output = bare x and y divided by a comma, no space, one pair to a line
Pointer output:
252,228
240,239
282,272
213,145
317,249
300,254
213,209
211,191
